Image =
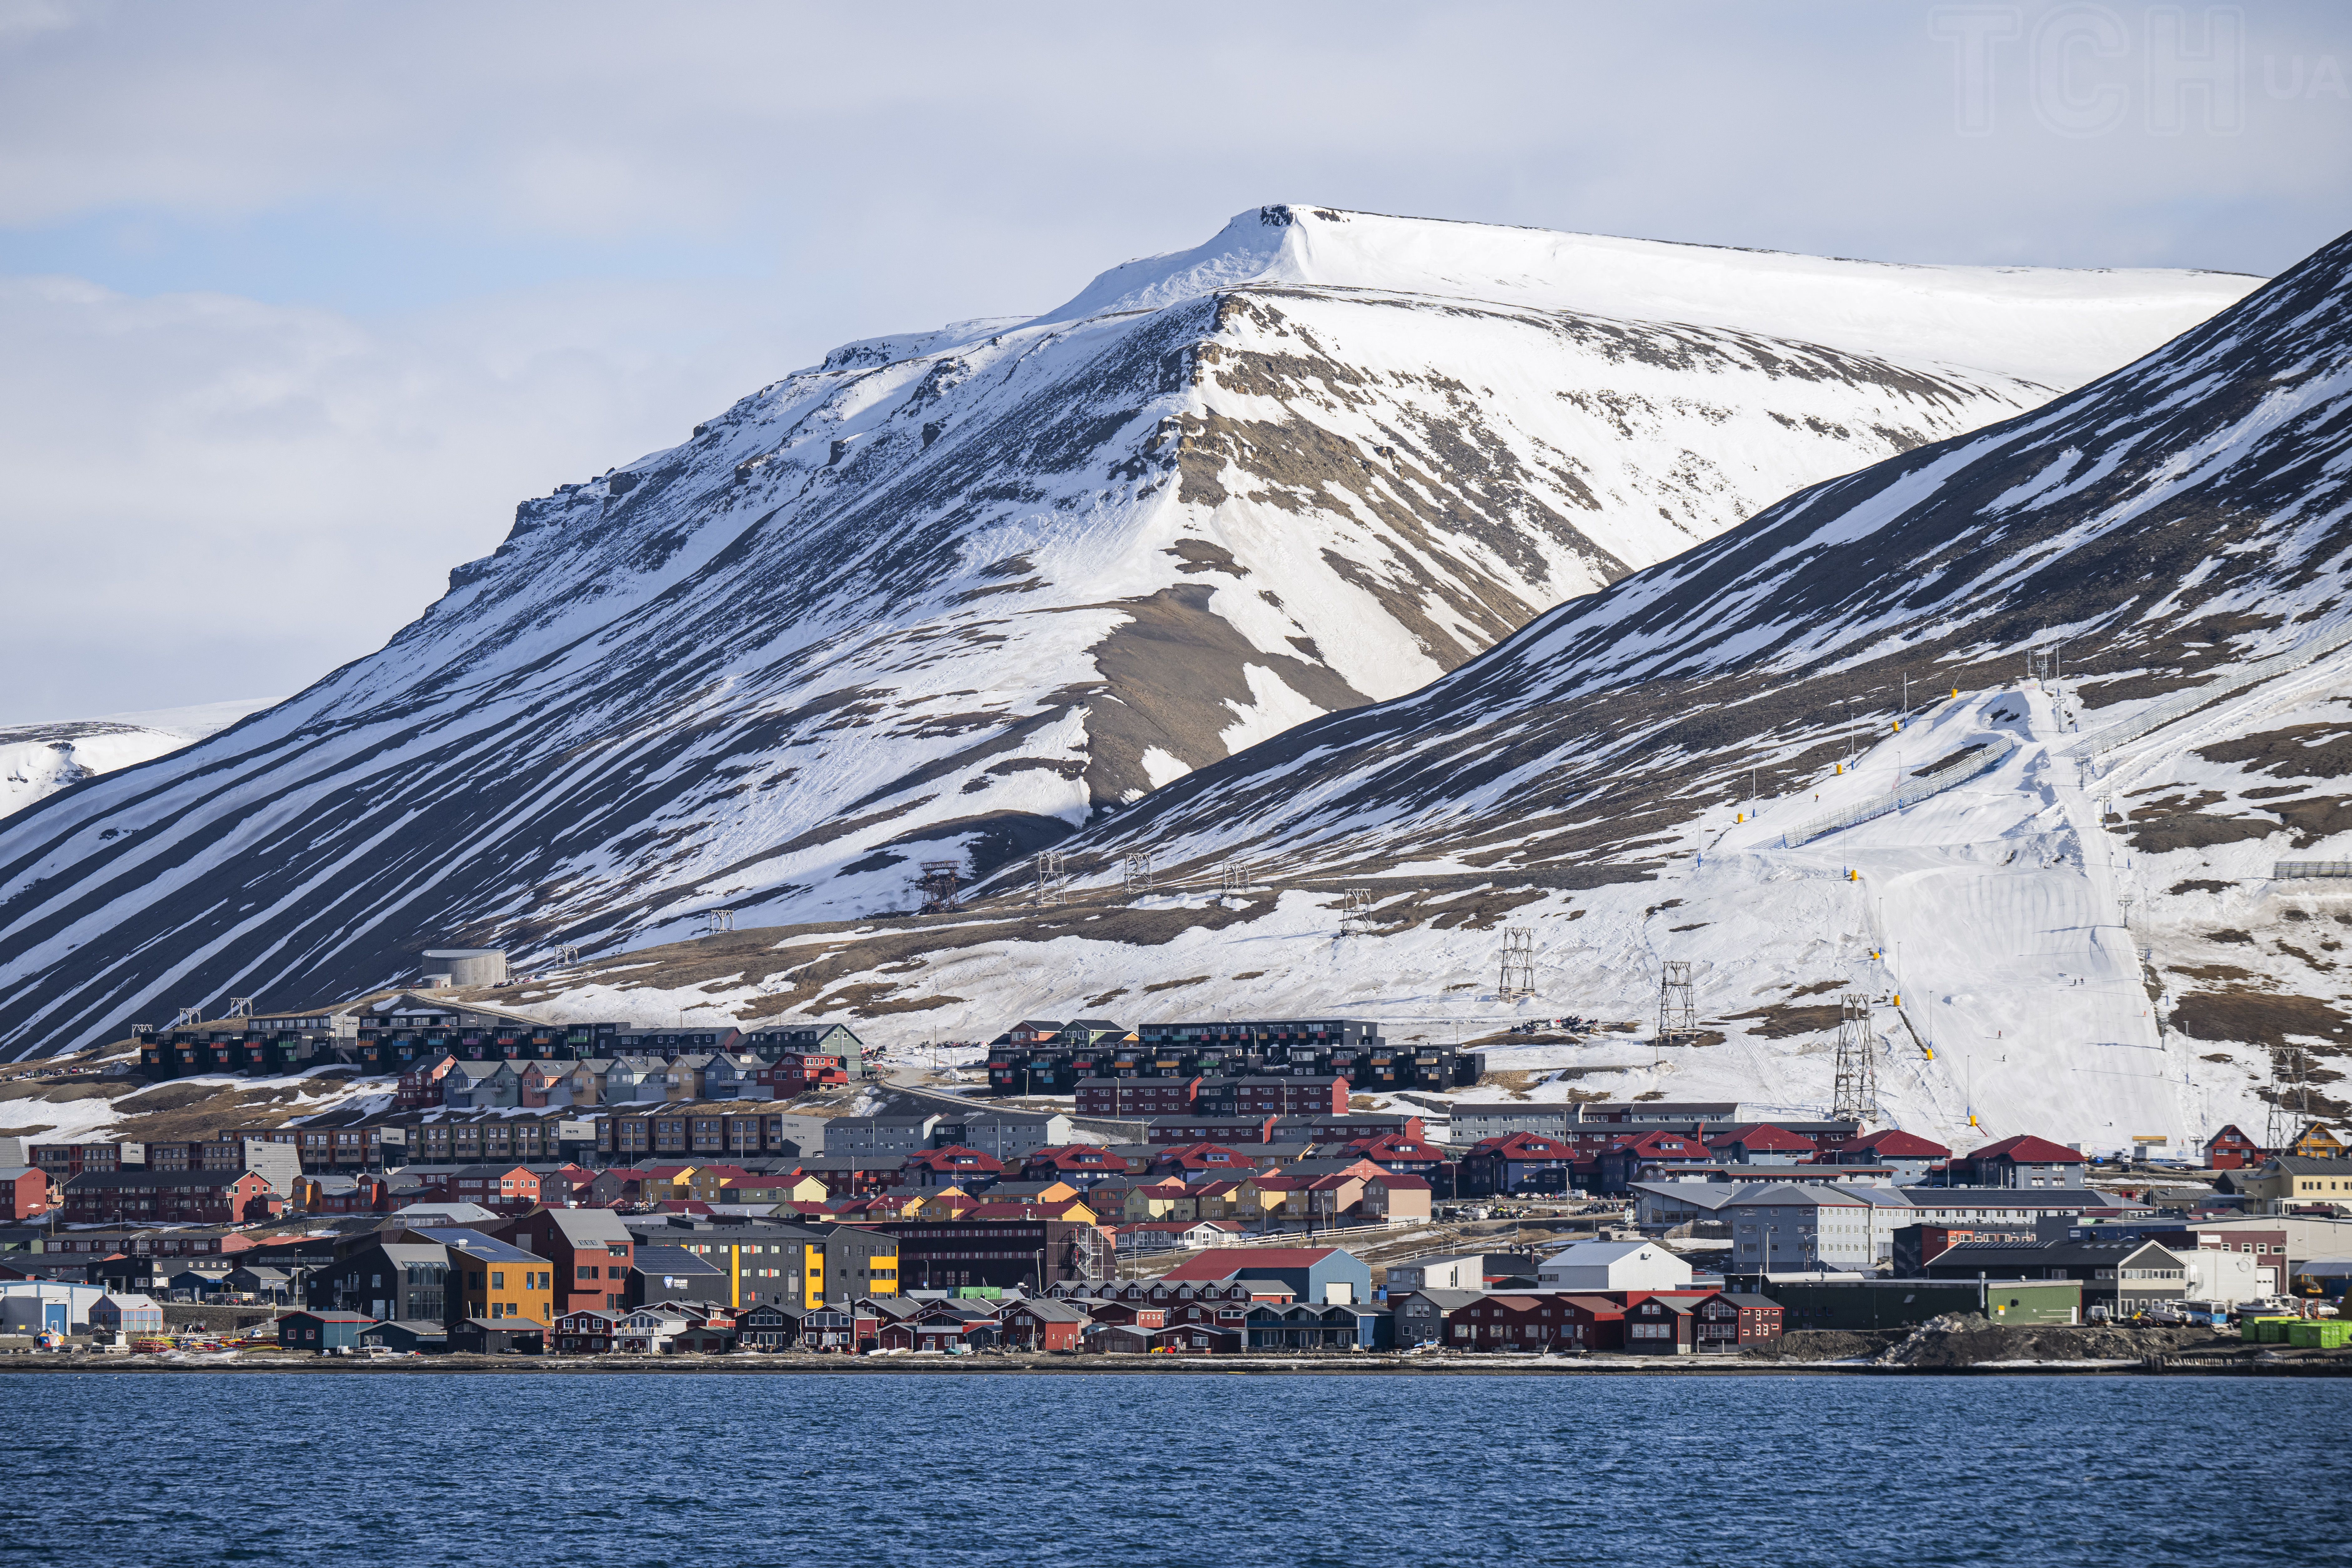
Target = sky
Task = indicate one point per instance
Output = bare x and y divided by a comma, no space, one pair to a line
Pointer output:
297,301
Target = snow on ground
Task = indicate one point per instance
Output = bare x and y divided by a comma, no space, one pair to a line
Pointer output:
312,1093
1985,925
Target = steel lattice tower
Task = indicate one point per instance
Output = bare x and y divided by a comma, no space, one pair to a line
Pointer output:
1677,1005
1518,963
1855,1097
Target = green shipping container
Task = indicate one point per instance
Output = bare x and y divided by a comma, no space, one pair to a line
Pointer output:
2263,1331
2319,1336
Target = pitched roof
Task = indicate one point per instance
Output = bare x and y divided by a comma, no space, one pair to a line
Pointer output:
474,1244
2026,1149
1594,1254
1893,1143
1531,1145
1763,1137
1658,1142
588,1225
1227,1262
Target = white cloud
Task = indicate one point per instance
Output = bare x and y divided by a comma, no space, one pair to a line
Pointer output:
209,495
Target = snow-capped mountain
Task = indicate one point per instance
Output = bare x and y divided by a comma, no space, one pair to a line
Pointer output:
38,760
2102,898
947,596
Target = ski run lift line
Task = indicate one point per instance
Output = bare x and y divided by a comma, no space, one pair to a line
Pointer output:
1991,756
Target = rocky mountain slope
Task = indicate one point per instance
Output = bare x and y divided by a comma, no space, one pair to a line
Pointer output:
38,760
2109,907
949,596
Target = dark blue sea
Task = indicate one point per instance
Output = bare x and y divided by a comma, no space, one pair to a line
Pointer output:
807,1471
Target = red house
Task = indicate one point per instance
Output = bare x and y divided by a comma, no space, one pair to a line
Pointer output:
2230,1149
795,1073
420,1085
1536,1323
24,1192
1728,1323
1041,1325
1139,1314
591,1250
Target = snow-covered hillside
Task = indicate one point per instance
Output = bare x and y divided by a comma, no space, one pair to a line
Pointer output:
2099,930
38,760
950,594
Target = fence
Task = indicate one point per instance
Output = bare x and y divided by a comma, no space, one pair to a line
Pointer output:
2185,702
2287,869
1960,770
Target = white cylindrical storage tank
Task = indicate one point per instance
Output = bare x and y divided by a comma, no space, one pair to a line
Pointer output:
470,965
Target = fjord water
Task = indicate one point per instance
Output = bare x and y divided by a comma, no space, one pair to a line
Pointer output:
683,1470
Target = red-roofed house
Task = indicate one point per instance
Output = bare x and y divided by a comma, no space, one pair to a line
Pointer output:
1080,1164
1308,1273
1761,1145
1203,1162
1902,1154
2023,1161
1624,1163
2230,1149
1400,1156
952,1167
1522,1162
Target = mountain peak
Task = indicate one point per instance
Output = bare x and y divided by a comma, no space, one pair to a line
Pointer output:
2053,326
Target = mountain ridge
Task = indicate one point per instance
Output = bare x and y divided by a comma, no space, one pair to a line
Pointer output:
2111,931
951,596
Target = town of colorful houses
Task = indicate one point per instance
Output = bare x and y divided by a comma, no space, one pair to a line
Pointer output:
1210,1188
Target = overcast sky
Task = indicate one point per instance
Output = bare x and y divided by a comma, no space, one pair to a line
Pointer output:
297,301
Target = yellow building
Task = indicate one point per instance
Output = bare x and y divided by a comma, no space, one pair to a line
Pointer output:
1161,1200
2293,1178
491,1278
2316,1142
